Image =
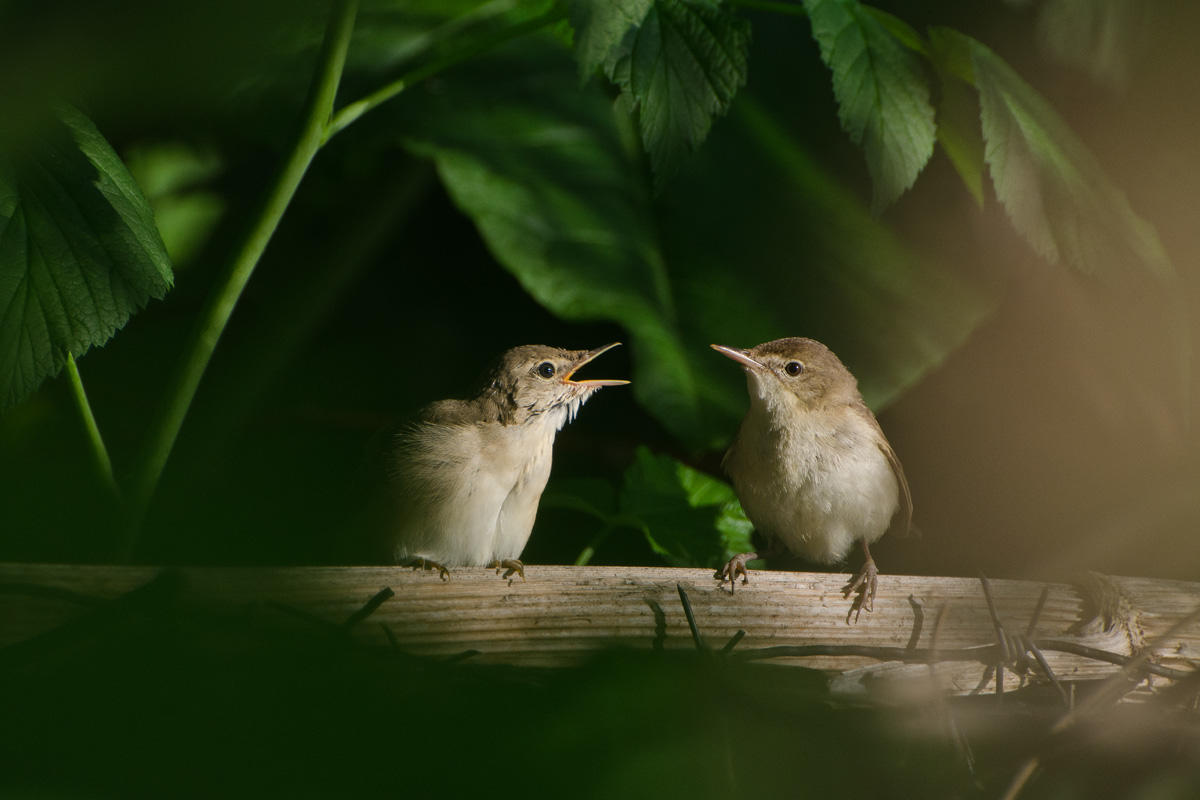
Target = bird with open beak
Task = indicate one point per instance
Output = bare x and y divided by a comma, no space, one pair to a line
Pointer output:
811,465
467,476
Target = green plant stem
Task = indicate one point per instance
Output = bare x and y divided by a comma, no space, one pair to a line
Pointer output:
312,135
99,451
352,111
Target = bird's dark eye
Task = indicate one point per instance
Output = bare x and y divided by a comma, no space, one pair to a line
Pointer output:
545,369
793,368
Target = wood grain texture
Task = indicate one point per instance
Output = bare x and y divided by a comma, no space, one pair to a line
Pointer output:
560,615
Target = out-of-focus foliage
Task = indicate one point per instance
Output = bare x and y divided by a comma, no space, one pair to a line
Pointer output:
176,178
1056,194
79,252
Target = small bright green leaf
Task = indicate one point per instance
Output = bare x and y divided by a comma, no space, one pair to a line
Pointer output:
600,26
1054,191
958,129
882,93
79,253
682,67
689,518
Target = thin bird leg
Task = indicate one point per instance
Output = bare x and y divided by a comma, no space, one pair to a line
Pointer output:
735,567
417,562
863,586
510,566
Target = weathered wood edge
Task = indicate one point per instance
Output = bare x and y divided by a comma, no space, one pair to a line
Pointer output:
561,615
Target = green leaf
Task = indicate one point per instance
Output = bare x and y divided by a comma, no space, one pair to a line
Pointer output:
689,518
681,67
601,25
1053,189
79,253
539,164
882,93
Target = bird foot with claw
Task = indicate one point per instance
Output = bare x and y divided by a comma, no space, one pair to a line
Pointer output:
735,567
862,586
427,564
511,566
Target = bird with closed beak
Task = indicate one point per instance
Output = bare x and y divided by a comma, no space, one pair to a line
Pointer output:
811,465
467,476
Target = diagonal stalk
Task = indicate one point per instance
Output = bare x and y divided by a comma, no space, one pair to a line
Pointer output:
99,451
320,124
317,113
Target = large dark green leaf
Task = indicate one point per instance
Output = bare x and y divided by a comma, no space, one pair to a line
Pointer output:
881,89
1056,193
680,67
79,253
538,163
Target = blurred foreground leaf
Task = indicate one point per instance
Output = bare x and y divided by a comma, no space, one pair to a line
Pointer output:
79,253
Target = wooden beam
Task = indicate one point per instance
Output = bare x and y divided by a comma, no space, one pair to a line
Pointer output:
561,615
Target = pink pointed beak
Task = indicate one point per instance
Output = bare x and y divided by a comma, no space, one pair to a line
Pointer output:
589,356
738,355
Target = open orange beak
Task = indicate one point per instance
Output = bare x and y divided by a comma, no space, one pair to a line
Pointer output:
738,355
589,356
